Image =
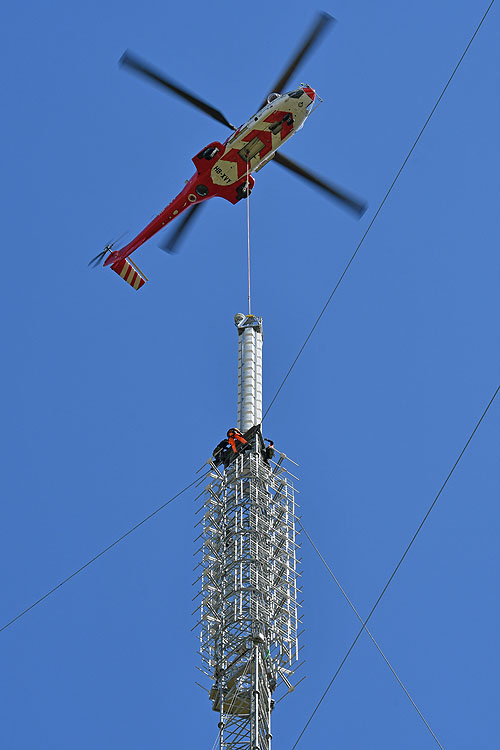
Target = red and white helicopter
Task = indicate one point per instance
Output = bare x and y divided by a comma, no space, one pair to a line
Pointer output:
225,169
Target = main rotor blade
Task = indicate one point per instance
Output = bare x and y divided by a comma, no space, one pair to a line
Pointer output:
134,63
348,200
319,27
169,243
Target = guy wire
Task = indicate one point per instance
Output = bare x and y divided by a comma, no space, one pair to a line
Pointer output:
99,554
384,657
400,562
379,209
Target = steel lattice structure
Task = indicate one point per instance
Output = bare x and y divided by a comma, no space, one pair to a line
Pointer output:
248,587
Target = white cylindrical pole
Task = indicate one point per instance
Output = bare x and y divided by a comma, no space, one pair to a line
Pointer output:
250,340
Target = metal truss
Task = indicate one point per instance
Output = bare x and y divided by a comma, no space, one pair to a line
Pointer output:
248,588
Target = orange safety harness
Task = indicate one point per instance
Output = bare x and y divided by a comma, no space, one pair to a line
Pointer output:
234,434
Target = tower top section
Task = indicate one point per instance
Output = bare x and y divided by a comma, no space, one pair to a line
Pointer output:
242,321
250,338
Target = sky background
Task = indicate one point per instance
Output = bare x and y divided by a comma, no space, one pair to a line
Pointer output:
114,398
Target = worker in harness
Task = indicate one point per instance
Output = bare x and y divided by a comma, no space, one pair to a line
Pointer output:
269,451
234,436
220,451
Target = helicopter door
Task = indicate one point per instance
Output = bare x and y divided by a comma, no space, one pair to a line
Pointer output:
252,149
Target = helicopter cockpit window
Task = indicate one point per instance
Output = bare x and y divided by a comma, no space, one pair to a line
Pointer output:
295,94
272,97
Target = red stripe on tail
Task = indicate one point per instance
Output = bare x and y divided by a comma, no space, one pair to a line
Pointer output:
129,273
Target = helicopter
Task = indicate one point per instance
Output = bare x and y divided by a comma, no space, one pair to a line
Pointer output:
224,169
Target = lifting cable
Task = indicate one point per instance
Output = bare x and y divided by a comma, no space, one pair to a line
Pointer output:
369,633
377,212
248,235
391,577
100,554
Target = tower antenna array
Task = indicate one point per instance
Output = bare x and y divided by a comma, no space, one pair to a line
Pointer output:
247,572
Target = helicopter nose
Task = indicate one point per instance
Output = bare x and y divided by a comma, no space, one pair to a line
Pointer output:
310,92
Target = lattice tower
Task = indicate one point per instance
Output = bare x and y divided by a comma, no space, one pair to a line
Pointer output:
248,573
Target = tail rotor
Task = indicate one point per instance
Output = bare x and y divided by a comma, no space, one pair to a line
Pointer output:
97,261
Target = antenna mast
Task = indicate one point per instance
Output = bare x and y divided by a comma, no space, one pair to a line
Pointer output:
248,576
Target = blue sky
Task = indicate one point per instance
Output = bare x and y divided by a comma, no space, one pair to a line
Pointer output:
112,399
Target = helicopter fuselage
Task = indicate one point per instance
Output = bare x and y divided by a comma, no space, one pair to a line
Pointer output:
224,169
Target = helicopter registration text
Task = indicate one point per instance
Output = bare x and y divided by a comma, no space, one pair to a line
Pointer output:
222,174
225,174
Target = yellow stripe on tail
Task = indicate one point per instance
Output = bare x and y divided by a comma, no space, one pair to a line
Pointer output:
129,273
